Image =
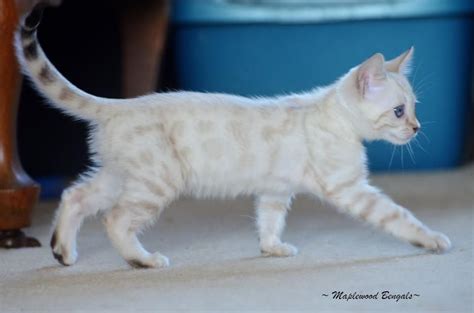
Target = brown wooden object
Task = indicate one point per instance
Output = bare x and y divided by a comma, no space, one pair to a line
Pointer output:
143,30
18,193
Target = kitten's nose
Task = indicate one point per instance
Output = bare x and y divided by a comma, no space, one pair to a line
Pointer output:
415,126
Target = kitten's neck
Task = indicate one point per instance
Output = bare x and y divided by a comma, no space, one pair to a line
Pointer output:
329,107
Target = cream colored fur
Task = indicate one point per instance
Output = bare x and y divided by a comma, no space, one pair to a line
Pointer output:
150,150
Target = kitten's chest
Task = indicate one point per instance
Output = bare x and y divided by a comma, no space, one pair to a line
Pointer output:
336,157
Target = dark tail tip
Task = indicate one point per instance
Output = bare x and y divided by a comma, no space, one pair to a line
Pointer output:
33,19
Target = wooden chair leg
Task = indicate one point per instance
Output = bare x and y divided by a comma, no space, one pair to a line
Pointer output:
143,30
18,193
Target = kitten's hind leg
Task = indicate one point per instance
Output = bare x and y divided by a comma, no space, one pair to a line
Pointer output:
85,198
137,208
271,214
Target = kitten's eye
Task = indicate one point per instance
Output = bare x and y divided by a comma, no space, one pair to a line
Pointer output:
399,110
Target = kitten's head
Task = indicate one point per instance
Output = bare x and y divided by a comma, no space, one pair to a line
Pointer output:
386,99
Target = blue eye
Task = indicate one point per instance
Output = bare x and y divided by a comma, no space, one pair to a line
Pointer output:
399,110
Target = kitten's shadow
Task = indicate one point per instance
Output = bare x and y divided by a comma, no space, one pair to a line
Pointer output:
243,267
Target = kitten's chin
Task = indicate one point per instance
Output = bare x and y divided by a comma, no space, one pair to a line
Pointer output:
398,140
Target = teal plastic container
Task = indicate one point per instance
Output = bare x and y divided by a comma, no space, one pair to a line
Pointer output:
271,47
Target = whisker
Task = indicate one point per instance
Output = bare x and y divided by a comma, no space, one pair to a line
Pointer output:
423,84
410,151
401,157
425,136
423,81
391,157
416,71
419,94
424,124
420,146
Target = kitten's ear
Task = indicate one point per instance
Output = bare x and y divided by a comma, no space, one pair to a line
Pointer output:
402,63
371,76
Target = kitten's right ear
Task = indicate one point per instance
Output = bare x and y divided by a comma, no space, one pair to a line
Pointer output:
371,76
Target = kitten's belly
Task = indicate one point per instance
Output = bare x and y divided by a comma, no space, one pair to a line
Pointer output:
228,170
231,186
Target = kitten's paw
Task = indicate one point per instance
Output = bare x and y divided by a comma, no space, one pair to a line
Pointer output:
64,255
159,260
155,260
440,242
279,249
434,241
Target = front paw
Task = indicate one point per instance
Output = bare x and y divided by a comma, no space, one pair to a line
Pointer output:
279,249
434,241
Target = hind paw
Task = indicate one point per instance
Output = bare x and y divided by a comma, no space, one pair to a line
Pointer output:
155,260
64,255
279,249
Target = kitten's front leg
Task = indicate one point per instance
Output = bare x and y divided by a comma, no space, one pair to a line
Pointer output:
271,214
367,203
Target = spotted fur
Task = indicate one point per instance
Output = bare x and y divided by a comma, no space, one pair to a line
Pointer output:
152,149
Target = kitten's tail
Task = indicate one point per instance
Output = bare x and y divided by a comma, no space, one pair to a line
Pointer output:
46,78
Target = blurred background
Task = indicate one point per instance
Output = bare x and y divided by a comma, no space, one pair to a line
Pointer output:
258,48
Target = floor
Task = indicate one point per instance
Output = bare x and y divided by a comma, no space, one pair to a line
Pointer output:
216,266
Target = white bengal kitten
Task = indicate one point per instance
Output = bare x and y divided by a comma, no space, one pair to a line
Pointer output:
151,149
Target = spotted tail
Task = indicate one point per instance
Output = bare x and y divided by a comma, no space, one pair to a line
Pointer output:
46,78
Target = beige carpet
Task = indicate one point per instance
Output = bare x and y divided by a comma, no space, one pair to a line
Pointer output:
215,262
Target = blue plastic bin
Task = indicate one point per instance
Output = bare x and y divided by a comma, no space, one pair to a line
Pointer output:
270,47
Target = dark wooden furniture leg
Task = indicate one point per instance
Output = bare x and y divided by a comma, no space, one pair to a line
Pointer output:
18,193
143,33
